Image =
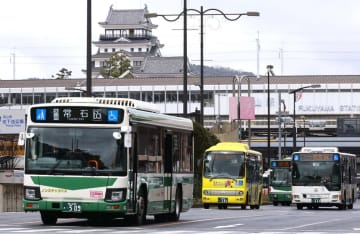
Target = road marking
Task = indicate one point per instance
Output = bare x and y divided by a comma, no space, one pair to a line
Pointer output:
310,224
40,230
12,229
88,230
230,226
208,220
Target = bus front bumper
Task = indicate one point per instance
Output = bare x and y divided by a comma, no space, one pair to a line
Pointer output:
75,207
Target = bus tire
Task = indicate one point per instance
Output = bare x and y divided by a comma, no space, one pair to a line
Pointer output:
299,207
206,206
141,209
175,216
350,206
48,218
243,207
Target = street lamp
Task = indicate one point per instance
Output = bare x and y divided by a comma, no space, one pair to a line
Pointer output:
88,50
269,72
294,111
202,12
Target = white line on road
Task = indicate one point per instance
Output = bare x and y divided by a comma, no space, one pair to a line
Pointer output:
230,226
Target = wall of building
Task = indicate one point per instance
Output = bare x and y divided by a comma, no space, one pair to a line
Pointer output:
11,190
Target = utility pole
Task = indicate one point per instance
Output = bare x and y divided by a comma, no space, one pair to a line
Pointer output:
13,61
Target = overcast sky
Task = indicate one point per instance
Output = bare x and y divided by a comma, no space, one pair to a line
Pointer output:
313,37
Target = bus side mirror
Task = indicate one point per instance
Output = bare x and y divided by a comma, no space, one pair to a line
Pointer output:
127,140
21,139
117,135
127,136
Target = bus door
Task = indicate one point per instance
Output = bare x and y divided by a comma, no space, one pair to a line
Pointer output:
168,159
132,173
251,179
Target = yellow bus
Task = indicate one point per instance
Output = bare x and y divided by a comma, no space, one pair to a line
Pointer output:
232,175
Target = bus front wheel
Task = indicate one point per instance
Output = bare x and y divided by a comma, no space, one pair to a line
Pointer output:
48,218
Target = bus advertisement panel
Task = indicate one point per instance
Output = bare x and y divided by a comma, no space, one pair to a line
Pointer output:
103,158
232,175
323,176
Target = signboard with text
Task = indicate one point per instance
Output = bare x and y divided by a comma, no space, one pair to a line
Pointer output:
12,121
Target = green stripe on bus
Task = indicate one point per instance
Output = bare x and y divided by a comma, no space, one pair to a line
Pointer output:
72,183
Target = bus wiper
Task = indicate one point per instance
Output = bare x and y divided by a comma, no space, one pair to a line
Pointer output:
51,171
90,171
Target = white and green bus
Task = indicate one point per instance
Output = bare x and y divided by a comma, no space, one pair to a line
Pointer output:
104,158
323,176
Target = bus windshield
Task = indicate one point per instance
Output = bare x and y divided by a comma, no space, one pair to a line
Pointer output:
224,165
74,151
281,176
317,173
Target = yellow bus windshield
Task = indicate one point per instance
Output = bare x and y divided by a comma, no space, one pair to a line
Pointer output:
224,165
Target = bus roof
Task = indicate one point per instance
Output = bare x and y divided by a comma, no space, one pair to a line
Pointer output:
283,159
319,150
124,102
229,146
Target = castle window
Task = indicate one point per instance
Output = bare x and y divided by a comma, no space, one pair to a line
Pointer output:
137,63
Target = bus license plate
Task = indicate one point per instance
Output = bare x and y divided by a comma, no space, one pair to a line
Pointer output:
315,200
222,200
73,207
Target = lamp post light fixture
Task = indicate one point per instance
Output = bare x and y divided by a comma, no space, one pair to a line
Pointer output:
269,72
294,111
202,12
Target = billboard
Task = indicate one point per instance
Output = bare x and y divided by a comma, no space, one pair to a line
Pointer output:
12,121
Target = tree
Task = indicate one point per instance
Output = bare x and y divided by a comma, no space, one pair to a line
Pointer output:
116,66
203,139
63,74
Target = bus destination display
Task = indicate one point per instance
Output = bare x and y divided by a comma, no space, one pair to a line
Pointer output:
280,164
76,114
316,157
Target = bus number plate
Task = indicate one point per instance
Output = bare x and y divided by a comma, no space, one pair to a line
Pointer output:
73,207
222,200
315,200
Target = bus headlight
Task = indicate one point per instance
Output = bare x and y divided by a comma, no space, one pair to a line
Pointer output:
115,195
32,193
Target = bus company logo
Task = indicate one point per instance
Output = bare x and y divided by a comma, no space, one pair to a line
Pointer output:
96,194
228,183
54,190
